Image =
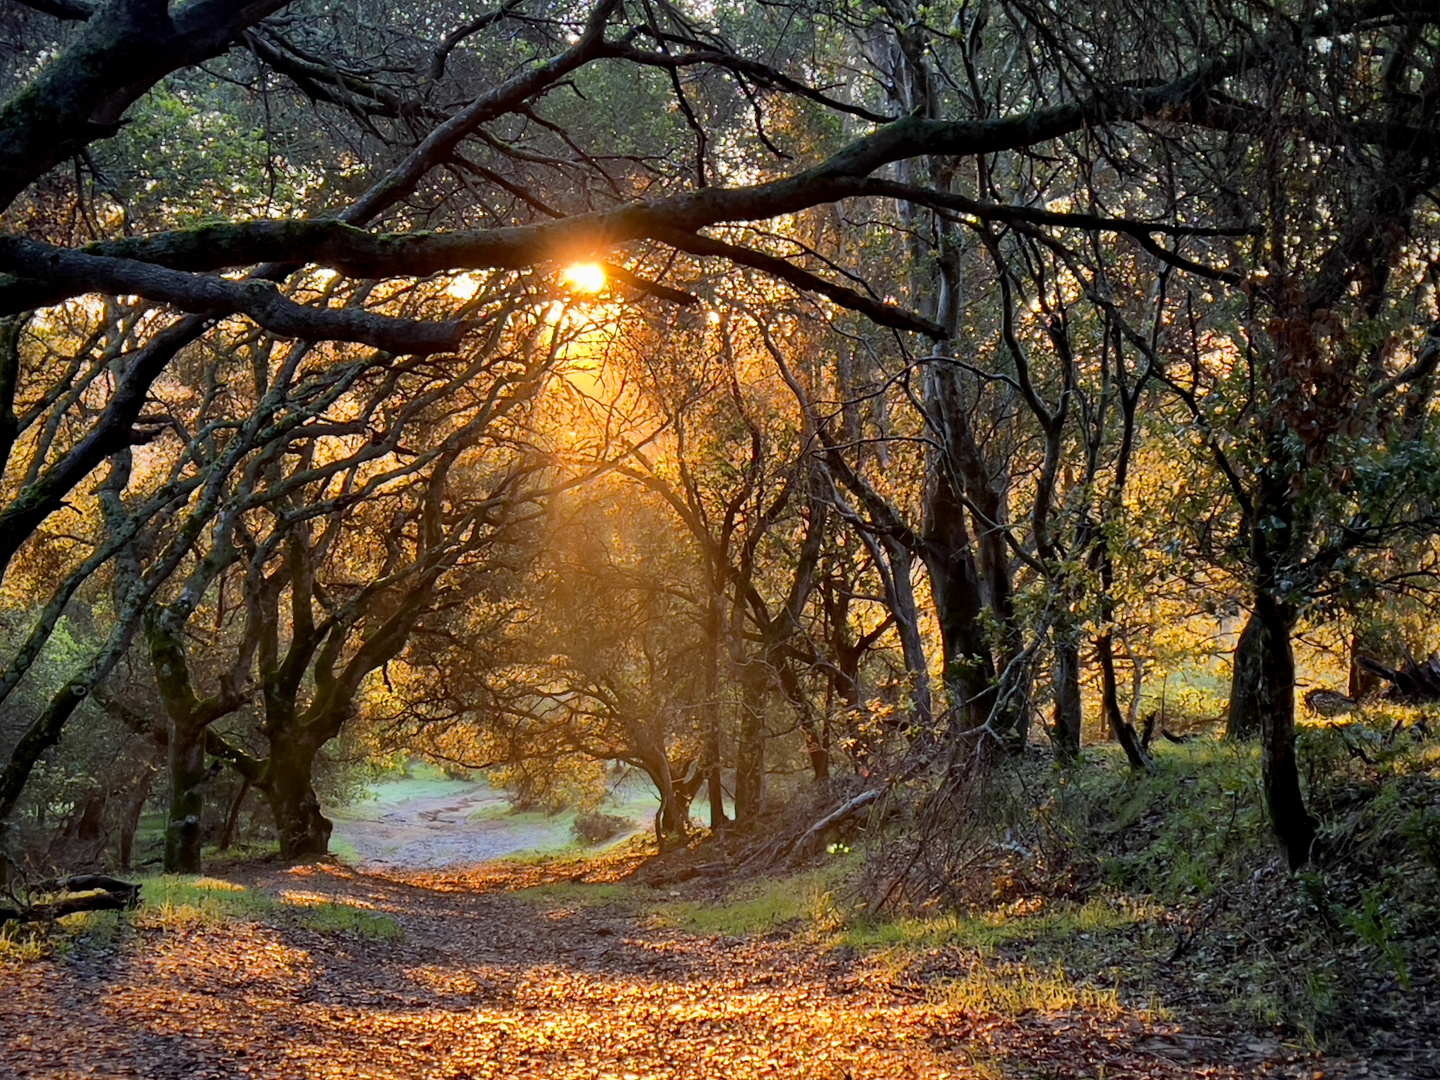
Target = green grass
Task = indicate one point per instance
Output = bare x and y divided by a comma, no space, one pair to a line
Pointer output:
800,901
561,843
566,894
173,902
505,812
170,902
345,851
984,932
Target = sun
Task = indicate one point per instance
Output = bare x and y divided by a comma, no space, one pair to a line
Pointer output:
586,277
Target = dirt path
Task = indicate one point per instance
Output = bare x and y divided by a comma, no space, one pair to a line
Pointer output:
428,825
437,830
489,982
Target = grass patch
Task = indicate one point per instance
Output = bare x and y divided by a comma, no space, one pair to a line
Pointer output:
800,901
345,851
1010,989
1058,925
171,902
23,942
1169,883
510,815
329,917
570,894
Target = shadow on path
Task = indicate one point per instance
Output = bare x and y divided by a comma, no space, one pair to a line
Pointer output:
490,983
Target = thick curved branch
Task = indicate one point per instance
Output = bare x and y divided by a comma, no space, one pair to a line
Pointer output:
78,272
362,254
125,48
74,10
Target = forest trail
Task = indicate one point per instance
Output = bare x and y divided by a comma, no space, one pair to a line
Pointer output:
491,981
431,824
429,831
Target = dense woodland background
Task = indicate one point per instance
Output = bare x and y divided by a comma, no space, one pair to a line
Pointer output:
908,413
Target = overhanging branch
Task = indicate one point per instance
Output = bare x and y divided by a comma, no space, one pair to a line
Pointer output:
78,272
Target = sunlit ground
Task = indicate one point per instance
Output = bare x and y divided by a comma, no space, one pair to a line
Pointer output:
490,982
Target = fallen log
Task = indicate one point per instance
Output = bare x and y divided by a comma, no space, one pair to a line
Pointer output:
76,883
86,892
1411,681
808,841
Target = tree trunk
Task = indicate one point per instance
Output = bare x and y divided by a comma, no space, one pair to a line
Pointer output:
1012,692
969,672
131,824
819,755
1294,827
227,835
185,766
673,815
714,786
817,741
750,754
1066,732
1121,728
1278,531
1249,698
303,831
1362,683
900,601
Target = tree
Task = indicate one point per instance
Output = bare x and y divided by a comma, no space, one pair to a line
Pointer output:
1269,155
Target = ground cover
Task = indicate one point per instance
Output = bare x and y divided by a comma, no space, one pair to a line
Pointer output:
487,981
1126,930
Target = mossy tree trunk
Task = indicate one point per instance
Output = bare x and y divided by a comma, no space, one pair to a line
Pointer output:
303,831
186,775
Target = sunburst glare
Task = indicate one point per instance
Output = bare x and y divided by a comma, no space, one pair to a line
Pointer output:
586,277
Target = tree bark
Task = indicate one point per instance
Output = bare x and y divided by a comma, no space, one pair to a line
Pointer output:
1362,683
710,711
1293,825
1120,727
303,831
750,753
955,586
131,824
900,602
1068,717
185,771
1250,701
227,836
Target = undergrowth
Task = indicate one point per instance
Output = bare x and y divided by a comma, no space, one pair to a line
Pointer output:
805,900
1168,884
1155,892
170,903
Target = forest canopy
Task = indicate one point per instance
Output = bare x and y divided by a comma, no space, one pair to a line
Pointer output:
760,396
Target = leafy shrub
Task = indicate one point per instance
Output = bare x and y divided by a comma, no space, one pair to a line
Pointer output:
596,828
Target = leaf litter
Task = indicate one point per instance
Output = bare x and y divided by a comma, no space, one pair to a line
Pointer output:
487,983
